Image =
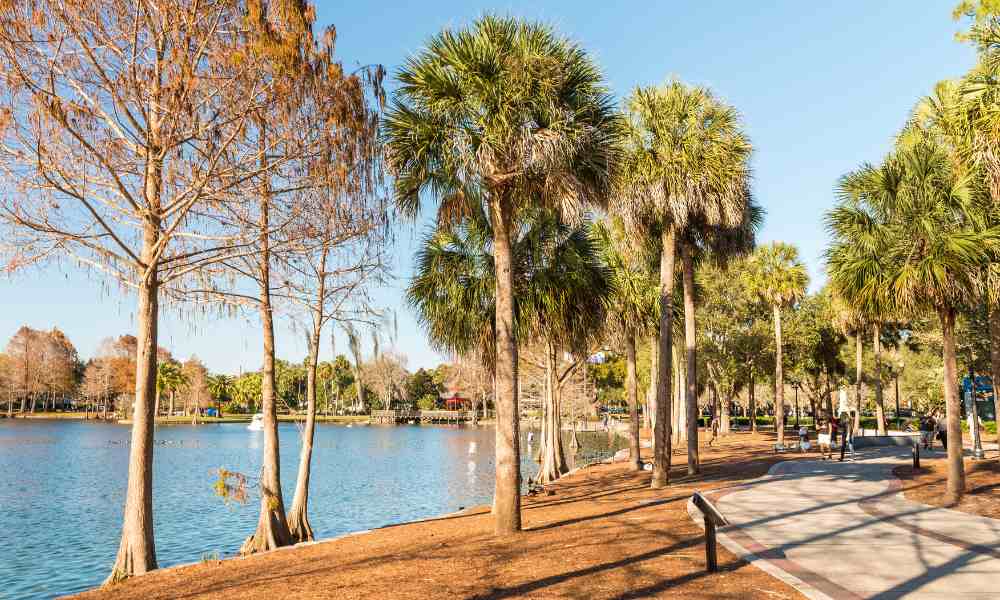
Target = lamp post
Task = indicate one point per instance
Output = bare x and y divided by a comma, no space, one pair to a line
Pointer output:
796,386
897,372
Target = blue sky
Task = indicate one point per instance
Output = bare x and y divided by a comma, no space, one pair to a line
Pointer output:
822,87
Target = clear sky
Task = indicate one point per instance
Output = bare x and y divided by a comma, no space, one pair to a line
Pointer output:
822,87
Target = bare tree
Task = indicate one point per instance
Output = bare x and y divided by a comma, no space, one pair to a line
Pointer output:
344,226
119,123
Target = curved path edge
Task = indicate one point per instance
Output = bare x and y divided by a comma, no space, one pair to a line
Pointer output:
889,506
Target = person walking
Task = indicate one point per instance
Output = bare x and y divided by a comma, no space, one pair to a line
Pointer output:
942,433
927,431
845,435
834,432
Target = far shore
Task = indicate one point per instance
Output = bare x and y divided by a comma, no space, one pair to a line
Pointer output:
183,419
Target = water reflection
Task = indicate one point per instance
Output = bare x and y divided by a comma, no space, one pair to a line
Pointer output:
67,479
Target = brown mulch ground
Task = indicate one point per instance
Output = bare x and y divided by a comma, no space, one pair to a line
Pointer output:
603,534
929,485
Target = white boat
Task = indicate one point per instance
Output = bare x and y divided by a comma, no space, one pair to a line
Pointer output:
257,424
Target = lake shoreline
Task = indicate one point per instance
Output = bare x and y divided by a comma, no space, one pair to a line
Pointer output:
599,532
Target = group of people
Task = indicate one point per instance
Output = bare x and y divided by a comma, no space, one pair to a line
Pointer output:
932,426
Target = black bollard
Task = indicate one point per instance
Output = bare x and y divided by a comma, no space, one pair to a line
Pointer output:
916,456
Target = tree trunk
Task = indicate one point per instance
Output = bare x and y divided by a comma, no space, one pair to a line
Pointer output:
815,413
752,403
994,319
507,495
724,425
879,401
661,455
654,369
690,343
953,408
553,459
298,517
677,401
272,528
137,551
829,398
858,379
779,379
171,402
633,401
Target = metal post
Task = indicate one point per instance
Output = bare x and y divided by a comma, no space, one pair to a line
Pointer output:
898,425
711,556
916,455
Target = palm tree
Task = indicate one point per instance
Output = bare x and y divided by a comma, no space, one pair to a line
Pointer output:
849,320
169,379
716,155
933,236
854,314
631,312
559,295
777,276
220,386
687,167
509,114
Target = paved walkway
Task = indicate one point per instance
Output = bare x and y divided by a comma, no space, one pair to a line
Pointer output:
843,531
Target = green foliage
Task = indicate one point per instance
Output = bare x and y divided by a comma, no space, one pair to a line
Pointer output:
505,108
559,283
734,338
608,376
421,385
776,275
427,402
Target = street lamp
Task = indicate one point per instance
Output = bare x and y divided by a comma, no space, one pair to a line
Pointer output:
898,371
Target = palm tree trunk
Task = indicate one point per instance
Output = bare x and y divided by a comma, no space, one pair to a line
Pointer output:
691,360
858,378
507,495
879,401
752,402
298,516
953,408
994,321
779,379
272,527
631,392
137,551
677,400
661,455
654,350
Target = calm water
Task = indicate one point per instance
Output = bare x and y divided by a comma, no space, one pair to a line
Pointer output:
62,489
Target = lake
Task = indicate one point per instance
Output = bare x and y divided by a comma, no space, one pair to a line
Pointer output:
62,489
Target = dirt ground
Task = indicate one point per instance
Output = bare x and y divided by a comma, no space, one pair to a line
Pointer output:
600,534
929,485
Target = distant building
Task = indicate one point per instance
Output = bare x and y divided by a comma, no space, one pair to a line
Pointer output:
454,399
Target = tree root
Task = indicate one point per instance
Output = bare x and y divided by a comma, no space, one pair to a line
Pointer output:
272,533
299,527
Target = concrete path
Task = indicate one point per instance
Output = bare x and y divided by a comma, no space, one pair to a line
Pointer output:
843,531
